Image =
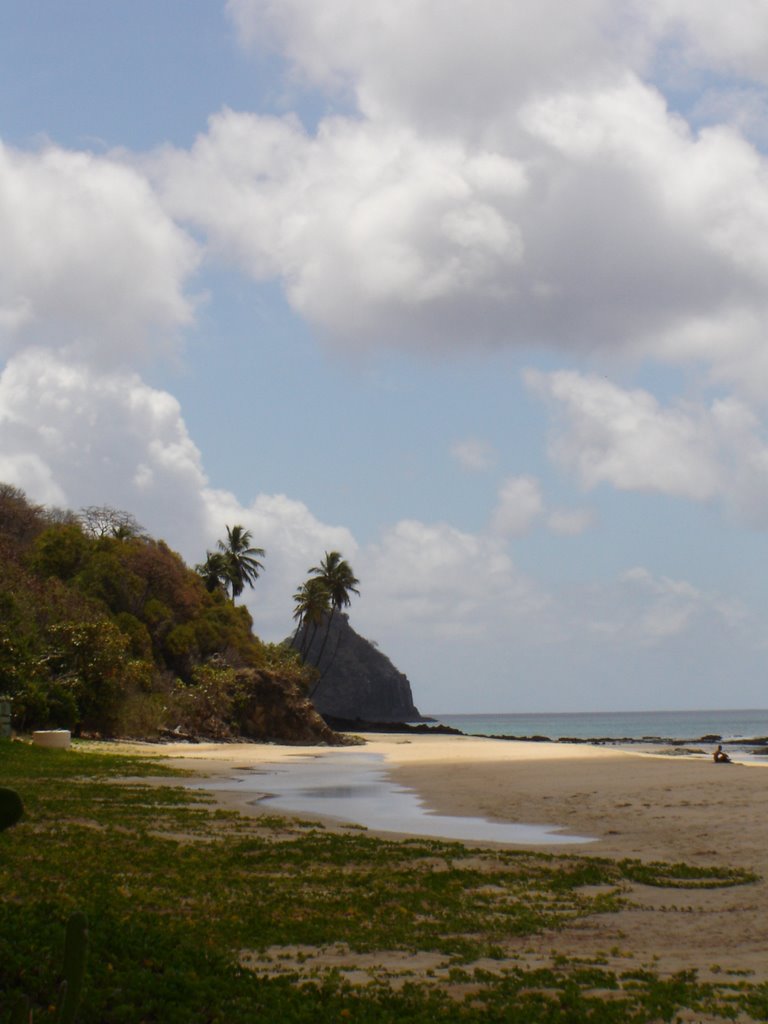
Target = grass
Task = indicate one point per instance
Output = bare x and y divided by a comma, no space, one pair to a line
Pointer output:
177,892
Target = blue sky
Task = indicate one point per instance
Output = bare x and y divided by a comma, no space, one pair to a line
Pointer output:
475,293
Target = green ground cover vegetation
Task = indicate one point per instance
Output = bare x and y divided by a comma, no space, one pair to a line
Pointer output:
180,894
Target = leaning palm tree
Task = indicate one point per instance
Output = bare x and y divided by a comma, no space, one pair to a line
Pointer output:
313,602
340,581
242,560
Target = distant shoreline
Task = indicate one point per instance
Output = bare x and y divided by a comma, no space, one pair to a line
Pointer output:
344,725
630,740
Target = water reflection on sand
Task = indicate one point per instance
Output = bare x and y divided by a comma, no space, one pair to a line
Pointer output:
355,787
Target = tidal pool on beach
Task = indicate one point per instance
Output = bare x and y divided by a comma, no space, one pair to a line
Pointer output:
356,788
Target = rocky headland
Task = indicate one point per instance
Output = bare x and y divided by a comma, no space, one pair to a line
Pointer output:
357,682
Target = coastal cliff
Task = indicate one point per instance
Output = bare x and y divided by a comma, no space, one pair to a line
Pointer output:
357,681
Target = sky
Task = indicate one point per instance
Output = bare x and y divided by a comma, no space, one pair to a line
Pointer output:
475,293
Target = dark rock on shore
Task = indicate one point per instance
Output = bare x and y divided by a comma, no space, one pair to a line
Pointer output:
525,739
178,735
357,681
623,740
672,742
359,725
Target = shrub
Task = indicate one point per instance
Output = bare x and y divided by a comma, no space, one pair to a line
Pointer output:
206,706
92,657
60,551
139,640
45,704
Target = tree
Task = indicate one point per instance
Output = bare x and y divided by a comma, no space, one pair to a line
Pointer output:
339,580
61,550
213,571
103,521
313,603
337,575
242,560
88,661
20,521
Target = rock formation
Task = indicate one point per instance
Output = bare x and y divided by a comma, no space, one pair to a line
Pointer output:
356,680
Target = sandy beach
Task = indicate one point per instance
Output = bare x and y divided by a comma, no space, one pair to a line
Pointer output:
652,807
635,805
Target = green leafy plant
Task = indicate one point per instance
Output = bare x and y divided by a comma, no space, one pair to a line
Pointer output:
70,991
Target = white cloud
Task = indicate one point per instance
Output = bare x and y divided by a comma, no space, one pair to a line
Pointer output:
605,434
640,611
454,63
616,226
632,234
441,64
600,221
626,438
732,39
93,438
473,454
676,225
745,107
367,224
664,607
29,472
89,259
570,522
440,581
519,505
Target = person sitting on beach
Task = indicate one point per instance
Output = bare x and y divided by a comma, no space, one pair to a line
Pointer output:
720,756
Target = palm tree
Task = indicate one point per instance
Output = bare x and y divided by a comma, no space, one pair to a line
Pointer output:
214,571
313,602
340,581
242,560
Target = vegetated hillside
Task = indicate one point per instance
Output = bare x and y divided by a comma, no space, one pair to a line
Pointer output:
106,631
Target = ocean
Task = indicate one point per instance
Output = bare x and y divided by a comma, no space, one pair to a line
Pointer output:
731,725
